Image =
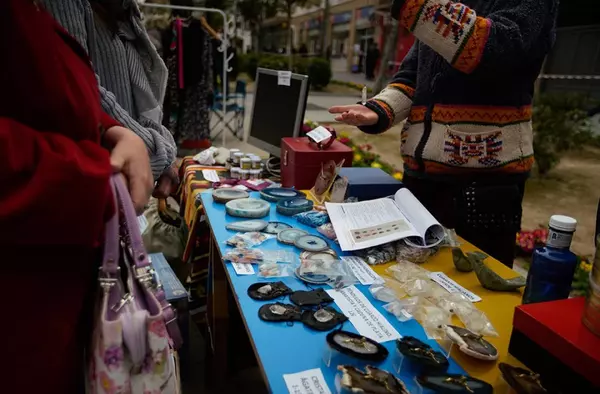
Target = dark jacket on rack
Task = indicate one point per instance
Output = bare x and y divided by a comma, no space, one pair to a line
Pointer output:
54,199
466,85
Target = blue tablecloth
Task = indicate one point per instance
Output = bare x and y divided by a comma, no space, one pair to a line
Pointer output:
283,349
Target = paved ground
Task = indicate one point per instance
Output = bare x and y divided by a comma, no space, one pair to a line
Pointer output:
346,76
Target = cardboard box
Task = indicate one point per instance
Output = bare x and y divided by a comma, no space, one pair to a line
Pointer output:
301,161
369,183
550,339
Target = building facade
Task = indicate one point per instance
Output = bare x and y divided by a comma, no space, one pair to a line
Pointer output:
352,25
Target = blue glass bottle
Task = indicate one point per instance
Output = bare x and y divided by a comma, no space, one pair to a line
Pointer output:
553,265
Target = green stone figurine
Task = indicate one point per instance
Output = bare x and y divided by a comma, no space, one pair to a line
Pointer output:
488,278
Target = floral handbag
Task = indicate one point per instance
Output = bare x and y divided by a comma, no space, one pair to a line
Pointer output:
131,348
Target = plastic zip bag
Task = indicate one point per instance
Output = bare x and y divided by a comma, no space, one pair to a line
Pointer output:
328,231
244,256
403,309
271,269
382,293
378,255
248,240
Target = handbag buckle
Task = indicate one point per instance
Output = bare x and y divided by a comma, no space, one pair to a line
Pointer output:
106,282
146,276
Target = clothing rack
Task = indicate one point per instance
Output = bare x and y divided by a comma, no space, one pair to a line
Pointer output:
228,31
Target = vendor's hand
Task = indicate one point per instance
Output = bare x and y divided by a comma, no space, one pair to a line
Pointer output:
356,115
166,184
129,157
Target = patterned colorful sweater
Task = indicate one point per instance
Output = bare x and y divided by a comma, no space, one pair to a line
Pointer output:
466,86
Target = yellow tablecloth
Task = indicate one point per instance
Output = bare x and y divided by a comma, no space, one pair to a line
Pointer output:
498,306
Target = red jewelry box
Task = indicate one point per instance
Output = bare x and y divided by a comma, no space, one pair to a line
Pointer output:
301,161
550,339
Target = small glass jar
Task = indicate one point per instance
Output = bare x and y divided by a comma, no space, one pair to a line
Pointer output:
232,153
244,174
245,163
256,163
255,174
237,157
235,173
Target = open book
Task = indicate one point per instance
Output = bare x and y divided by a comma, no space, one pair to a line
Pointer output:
366,224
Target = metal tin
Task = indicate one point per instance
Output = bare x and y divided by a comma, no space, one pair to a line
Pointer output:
235,173
255,174
244,174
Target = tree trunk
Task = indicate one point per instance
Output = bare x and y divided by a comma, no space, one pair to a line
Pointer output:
324,28
389,53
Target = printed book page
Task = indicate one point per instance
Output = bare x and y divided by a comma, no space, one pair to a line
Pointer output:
366,224
430,230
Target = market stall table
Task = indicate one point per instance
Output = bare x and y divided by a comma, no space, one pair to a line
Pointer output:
281,349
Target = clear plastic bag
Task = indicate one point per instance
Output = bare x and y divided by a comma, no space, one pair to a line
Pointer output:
313,218
248,240
433,319
417,286
476,321
403,309
382,293
270,269
406,252
405,271
337,271
377,255
327,230
244,256
280,256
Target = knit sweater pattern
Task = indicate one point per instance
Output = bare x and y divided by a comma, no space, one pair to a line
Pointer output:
466,86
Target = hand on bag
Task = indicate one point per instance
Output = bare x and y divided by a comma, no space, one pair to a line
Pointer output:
356,115
129,157
167,183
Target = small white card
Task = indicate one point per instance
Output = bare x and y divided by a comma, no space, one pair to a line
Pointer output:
284,78
319,134
243,269
210,175
363,315
362,271
143,223
452,287
307,382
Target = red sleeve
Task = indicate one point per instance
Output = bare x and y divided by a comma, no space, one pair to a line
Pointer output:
107,121
50,185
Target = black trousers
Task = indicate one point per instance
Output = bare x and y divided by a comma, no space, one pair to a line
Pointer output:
486,213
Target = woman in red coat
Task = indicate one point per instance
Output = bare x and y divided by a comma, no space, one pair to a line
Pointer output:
54,197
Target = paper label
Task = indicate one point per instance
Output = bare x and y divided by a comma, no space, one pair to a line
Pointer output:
319,134
210,175
284,78
307,382
243,269
362,314
143,223
362,271
452,287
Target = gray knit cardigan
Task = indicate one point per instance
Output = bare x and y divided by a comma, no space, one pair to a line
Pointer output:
132,76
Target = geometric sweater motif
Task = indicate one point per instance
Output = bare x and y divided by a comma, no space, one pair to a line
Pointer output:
465,88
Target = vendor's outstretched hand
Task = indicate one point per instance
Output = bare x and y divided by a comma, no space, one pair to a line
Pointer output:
356,115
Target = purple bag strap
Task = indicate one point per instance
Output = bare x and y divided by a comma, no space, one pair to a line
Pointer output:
130,222
110,261
141,259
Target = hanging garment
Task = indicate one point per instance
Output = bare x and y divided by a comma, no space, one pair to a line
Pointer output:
189,89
